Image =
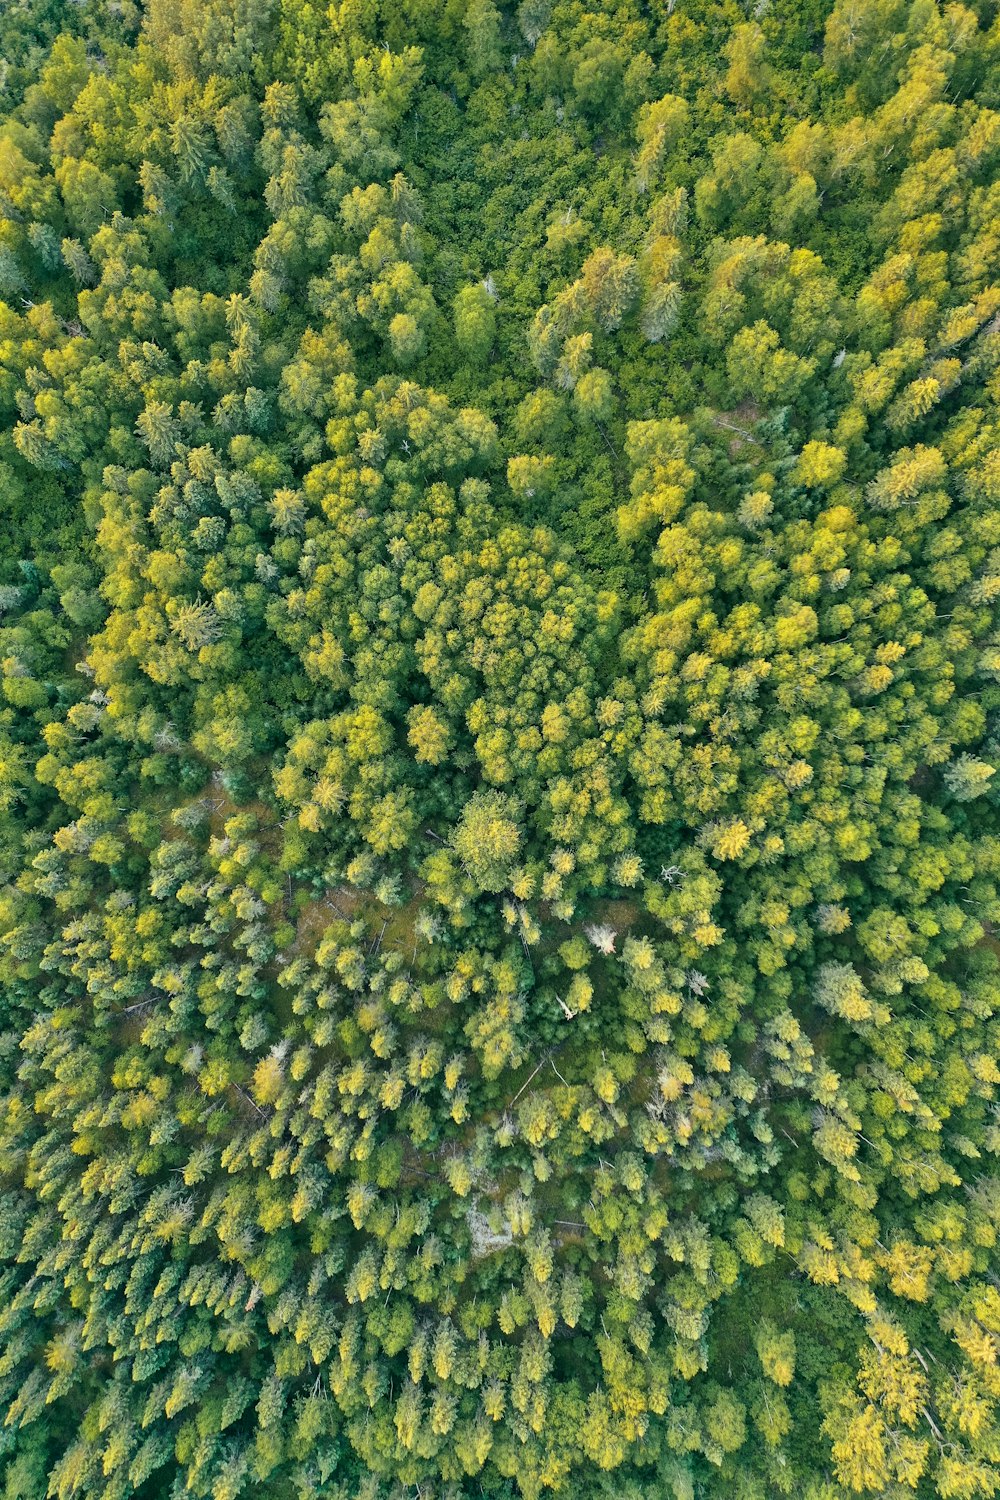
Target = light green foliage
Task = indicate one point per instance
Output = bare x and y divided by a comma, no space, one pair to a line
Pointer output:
487,839
475,322
499,723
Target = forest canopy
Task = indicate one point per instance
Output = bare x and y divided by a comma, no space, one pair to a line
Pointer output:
499,749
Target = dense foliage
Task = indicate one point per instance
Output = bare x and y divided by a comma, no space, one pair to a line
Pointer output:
498,749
